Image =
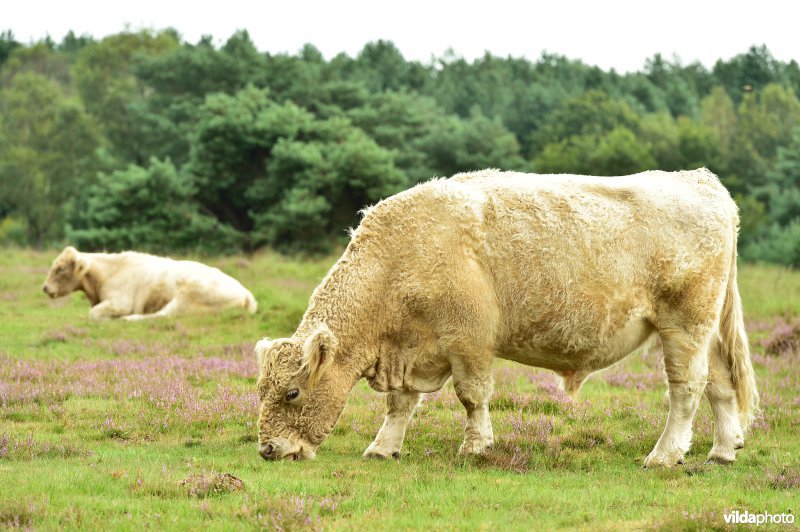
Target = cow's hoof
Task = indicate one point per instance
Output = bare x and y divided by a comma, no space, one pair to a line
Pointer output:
475,447
658,459
719,455
381,454
738,442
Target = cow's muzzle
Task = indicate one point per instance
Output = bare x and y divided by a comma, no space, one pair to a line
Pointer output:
281,449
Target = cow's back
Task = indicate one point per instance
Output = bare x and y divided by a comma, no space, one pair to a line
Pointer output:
567,261
574,258
151,281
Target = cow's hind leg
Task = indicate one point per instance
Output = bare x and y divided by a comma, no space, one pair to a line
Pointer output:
400,406
686,364
472,380
175,306
728,434
107,310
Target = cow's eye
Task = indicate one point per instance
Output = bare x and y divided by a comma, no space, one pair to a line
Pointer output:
292,394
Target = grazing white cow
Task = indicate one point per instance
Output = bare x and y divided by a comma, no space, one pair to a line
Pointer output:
135,286
564,272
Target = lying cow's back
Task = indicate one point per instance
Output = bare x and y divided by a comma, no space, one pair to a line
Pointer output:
145,264
136,286
153,271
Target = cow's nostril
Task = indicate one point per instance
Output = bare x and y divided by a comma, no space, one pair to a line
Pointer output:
44,289
266,451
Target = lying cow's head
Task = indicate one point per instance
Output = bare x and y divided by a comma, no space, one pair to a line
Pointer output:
66,273
302,393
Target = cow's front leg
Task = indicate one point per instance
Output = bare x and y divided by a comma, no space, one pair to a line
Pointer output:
400,406
105,310
473,385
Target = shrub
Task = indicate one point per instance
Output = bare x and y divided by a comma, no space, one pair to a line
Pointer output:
778,245
148,209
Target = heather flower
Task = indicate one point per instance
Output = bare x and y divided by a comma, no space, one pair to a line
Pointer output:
172,386
783,339
4,442
785,478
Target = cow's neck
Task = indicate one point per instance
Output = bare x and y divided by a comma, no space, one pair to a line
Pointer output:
352,302
90,286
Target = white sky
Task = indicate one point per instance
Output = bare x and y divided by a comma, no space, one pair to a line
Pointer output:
608,33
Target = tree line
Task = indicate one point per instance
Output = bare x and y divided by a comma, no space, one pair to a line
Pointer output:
142,140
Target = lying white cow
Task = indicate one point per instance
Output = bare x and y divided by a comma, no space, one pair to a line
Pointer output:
135,286
569,273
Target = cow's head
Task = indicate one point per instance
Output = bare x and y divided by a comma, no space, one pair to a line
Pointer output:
66,273
302,392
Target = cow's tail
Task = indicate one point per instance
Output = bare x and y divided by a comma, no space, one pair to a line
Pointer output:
250,303
736,349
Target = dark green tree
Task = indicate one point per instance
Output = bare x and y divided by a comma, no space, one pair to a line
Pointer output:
72,44
49,152
177,82
381,67
459,145
39,59
274,170
403,123
590,113
107,85
7,45
781,193
151,209
617,152
746,72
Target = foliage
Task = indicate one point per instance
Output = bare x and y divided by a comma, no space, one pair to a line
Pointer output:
47,152
617,152
780,241
7,45
777,244
180,78
148,209
12,232
457,145
286,148
105,80
275,170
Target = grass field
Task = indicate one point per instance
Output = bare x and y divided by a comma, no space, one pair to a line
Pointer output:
153,424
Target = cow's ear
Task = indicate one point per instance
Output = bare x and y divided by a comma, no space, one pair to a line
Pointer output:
318,353
81,265
70,253
262,346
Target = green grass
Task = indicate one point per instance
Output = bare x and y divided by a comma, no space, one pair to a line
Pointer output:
769,291
125,425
